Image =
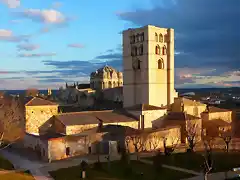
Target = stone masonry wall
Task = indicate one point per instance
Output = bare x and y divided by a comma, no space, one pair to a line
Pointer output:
76,129
37,116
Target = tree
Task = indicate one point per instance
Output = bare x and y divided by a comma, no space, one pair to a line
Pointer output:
226,135
208,160
154,141
168,150
138,140
12,122
191,133
32,92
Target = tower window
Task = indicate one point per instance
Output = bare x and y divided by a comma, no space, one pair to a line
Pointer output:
142,37
157,49
138,64
164,50
156,37
67,151
132,39
160,64
141,50
137,37
160,38
135,51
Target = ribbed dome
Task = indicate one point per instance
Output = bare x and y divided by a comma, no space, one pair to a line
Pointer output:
106,68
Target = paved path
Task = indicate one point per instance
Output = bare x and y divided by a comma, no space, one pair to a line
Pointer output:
23,163
173,168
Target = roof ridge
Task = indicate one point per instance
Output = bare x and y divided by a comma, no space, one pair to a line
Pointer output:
30,101
82,112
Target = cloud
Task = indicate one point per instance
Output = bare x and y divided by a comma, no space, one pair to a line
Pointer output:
7,35
48,16
206,31
76,45
36,55
27,47
11,3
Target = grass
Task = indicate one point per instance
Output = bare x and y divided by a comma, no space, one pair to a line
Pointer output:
16,175
6,166
118,171
194,161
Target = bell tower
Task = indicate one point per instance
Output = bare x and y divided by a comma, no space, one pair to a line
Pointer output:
148,64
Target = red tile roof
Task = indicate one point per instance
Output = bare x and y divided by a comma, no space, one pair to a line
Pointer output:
95,117
36,101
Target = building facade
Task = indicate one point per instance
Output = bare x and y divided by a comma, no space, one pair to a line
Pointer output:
106,77
148,63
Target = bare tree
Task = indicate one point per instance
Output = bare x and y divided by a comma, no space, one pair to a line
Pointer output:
168,150
226,135
208,160
154,141
138,140
11,122
191,134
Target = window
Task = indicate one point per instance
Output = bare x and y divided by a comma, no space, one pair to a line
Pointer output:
164,50
157,49
137,38
132,39
141,50
135,51
156,37
142,37
160,38
138,64
67,151
160,64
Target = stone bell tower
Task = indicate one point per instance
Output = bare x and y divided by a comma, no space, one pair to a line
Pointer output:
148,65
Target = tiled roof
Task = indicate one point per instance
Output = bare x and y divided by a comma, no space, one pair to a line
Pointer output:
144,107
215,122
39,102
95,117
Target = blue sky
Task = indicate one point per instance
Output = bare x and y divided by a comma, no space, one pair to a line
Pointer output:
44,43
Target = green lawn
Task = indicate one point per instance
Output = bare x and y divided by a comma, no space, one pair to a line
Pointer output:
221,161
5,164
118,172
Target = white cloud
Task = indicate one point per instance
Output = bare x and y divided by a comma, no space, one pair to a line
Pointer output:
28,47
49,16
7,35
11,3
36,54
76,45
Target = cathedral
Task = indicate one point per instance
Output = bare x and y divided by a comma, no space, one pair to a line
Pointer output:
150,104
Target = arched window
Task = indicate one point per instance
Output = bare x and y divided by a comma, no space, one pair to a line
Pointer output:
138,64
141,50
132,39
156,37
164,50
109,84
160,38
160,64
135,51
137,37
142,37
157,49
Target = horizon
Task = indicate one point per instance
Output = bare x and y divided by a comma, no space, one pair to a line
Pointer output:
65,41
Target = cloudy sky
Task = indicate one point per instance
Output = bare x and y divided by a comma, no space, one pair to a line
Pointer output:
45,43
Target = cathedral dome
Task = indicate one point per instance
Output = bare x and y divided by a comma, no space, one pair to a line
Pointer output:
106,69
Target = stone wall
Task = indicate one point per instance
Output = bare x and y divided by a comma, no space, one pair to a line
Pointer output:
40,146
225,116
76,129
153,141
37,116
